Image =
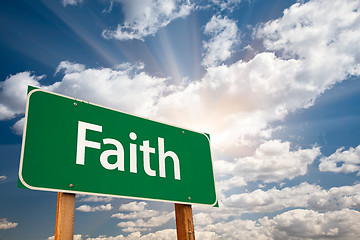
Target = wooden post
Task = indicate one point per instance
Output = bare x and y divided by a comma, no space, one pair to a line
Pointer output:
184,222
65,211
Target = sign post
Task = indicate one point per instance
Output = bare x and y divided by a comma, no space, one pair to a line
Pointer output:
72,146
184,222
65,211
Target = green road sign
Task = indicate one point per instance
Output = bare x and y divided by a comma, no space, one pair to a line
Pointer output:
78,147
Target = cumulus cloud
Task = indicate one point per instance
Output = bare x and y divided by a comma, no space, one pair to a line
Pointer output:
69,67
87,208
144,225
297,224
227,5
342,161
321,34
133,206
202,219
3,178
309,224
145,218
144,18
236,229
146,213
75,237
273,199
18,127
304,195
272,161
238,102
235,103
121,86
223,34
166,234
335,198
5,224
92,198
231,183
13,93
71,2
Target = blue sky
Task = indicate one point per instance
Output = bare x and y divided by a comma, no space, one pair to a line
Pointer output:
275,83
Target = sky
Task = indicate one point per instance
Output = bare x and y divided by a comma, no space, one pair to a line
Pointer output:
276,84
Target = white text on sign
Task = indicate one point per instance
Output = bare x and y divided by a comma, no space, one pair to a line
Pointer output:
82,143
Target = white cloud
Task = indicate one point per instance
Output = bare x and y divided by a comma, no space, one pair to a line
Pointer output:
227,5
335,198
3,178
87,208
133,206
120,89
135,229
231,183
69,67
92,198
71,2
13,93
145,218
206,235
309,224
273,199
342,161
86,84
272,161
75,237
202,219
146,213
322,35
144,225
18,127
235,103
236,229
144,18
166,234
5,224
119,237
297,224
304,195
223,37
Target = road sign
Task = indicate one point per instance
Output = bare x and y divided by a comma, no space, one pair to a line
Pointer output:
74,146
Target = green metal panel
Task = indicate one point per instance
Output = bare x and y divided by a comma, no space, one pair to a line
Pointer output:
50,145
